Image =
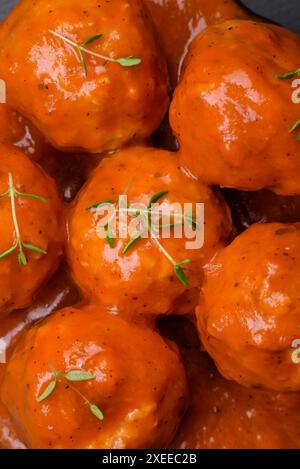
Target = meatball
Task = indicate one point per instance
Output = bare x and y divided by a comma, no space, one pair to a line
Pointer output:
77,99
232,113
150,274
16,130
31,229
117,385
249,312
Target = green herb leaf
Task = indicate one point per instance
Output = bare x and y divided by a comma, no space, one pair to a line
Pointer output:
22,258
32,196
8,252
79,376
96,411
32,247
99,204
92,39
289,75
295,126
156,197
179,271
81,48
129,61
48,391
5,194
82,60
186,261
130,244
109,236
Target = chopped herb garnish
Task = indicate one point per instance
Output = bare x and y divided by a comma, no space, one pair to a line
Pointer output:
19,245
146,215
72,376
81,49
295,127
289,75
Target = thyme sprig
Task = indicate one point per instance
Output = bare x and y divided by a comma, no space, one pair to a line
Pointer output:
19,244
295,127
73,376
82,49
288,76
145,215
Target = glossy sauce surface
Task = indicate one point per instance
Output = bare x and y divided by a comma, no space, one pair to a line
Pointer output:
225,415
178,22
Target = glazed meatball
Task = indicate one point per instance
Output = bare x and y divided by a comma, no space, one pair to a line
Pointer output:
232,113
31,229
132,377
249,312
77,99
142,277
16,130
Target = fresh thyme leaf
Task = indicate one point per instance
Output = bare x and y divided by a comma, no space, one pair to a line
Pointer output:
32,196
32,247
5,194
22,258
92,39
295,126
186,261
179,271
156,197
129,61
8,252
82,60
289,75
13,193
79,376
146,215
81,48
99,204
109,236
70,377
48,391
96,411
131,243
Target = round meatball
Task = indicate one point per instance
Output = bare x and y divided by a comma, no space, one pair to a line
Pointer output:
18,131
232,114
142,277
132,377
77,99
249,312
31,229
